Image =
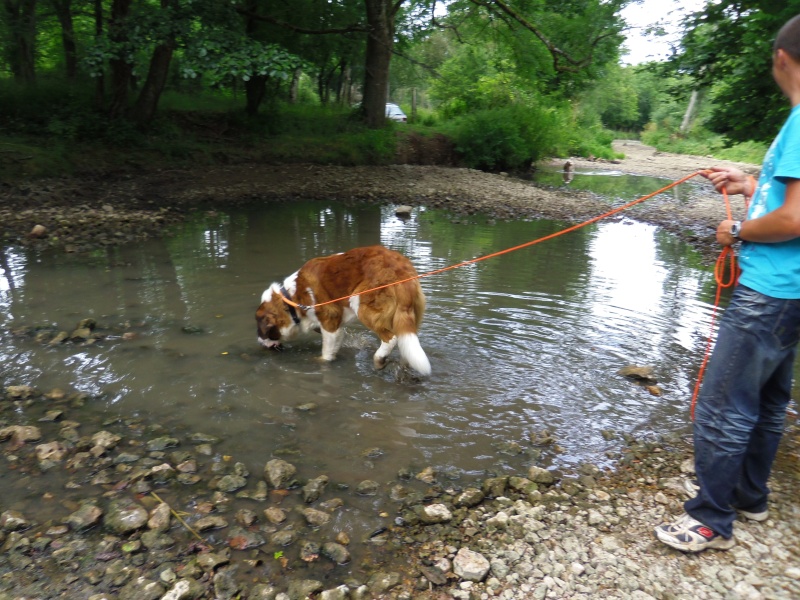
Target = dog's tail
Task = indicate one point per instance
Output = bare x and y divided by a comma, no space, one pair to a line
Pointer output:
413,354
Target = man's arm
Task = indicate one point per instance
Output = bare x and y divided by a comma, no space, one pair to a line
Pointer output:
780,225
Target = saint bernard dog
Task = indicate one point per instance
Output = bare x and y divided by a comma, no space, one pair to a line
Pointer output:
394,313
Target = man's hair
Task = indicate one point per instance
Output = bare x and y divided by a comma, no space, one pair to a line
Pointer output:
788,38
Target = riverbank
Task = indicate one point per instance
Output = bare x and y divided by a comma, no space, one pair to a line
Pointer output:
93,211
583,534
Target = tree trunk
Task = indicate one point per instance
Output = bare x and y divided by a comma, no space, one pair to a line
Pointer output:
99,87
255,88
121,69
147,102
295,86
688,116
21,16
380,40
63,10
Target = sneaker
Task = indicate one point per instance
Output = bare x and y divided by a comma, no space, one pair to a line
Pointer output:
690,535
692,488
754,516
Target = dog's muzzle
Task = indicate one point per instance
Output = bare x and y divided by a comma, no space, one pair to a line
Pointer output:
270,344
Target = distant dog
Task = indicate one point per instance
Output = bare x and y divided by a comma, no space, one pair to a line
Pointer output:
394,313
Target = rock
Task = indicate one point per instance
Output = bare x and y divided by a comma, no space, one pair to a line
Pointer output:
106,439
141,588
38,231
540,475
434,513
279,473
87,516
644,374
160,518
124,516
336,552
231,483
314,489
382,581
13,520
21,434
470,565
316,518
367,488
51,451
304,588
470,497
275,515
185,589
20,392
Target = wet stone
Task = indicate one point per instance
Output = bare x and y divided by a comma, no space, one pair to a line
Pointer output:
314,489
106,439
275,515
243,539
210,522
279,473
231,483
367,488
316,518
141,589
125,516
12,520
88,515
336,552
162,443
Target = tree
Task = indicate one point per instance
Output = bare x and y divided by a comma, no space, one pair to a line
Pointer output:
727,49
21,53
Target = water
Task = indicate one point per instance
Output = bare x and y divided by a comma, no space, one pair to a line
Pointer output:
615,185
529,340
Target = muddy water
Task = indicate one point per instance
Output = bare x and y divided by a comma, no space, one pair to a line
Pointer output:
529,340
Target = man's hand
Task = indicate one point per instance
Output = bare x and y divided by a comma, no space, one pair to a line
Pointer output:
730,179
724,237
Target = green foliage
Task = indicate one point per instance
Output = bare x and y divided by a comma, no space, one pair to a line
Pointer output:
702,142
728,49
510,137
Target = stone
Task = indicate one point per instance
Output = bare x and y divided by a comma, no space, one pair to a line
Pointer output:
471,566
125,516
279,473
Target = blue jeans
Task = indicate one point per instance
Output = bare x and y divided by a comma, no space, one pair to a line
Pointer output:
741,408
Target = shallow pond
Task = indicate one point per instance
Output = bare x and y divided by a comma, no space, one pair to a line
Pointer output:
525,341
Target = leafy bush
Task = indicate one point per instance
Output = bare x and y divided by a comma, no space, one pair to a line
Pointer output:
511,137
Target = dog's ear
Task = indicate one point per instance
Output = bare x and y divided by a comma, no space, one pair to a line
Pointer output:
267,330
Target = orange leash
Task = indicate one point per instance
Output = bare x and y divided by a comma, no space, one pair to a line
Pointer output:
507,250
727,254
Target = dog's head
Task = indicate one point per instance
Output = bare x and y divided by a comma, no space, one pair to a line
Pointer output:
273,320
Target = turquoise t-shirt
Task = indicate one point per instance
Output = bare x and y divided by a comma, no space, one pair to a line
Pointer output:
774,269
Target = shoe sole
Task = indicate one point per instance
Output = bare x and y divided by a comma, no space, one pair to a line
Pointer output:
758,517
692,489
719,543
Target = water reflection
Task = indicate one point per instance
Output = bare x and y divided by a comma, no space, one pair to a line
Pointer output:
525,341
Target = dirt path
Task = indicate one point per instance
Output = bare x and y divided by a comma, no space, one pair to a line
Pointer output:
81,213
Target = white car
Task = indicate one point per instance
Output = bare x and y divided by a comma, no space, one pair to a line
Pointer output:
395,113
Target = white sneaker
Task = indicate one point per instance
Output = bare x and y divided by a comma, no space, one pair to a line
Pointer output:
690,535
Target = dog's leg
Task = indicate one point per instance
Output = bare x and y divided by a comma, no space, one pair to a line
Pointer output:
379,358
331,342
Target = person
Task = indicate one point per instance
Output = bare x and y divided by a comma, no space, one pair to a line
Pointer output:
741,407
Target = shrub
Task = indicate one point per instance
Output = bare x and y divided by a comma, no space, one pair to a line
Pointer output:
511,137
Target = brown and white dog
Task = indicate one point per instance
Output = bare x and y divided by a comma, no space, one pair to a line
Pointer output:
394,313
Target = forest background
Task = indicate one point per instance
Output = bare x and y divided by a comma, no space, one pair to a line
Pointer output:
108,85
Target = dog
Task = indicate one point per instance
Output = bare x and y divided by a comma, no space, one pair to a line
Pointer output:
394,313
